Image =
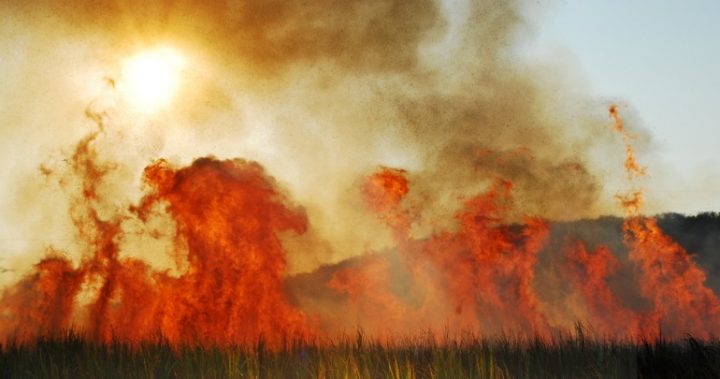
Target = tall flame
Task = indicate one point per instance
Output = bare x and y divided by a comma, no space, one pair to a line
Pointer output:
669,278
231,286
228,215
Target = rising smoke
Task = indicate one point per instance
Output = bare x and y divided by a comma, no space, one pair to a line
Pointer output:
319,95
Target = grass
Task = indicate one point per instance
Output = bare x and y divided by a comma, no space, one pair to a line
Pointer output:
503,357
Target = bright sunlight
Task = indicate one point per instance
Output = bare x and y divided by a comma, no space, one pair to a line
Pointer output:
151,78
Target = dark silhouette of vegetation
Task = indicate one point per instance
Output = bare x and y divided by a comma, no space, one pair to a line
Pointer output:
575,356
700,236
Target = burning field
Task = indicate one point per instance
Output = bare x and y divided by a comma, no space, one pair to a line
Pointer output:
261,180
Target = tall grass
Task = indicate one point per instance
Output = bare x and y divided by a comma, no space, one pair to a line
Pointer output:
502,357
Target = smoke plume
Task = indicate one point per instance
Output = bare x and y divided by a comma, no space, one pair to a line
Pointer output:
400,165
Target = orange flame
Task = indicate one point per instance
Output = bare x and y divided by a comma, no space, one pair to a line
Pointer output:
228,215
669,277
589,273
672,281
632,167
230,289
478,278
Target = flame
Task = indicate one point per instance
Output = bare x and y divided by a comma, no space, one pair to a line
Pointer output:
230,286
590,272
487,154
228,216
632,167
478,278
670,279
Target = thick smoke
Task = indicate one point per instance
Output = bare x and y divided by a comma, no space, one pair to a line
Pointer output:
323,92
319,94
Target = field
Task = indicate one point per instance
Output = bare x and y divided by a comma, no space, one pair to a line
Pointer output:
356,188
354,357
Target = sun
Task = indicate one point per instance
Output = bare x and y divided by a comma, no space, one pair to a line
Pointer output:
150,79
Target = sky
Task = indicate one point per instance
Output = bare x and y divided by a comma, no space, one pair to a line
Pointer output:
658,59
661,59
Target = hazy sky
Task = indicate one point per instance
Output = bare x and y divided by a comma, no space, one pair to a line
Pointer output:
658,58
661,58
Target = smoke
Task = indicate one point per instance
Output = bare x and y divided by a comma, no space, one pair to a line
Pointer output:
322,93
316,95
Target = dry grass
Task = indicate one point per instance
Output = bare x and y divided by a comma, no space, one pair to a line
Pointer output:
563,357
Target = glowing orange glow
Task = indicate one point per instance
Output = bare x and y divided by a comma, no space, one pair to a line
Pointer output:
227,215
254,174
632,167
670,279
589,272
231,288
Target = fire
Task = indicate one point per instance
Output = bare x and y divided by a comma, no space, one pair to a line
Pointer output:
590,272
383,192
231,285
670,279
632,167
428,183
150,79
477,278
228,215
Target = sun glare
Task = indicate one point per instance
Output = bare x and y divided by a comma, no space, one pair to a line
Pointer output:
151,78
